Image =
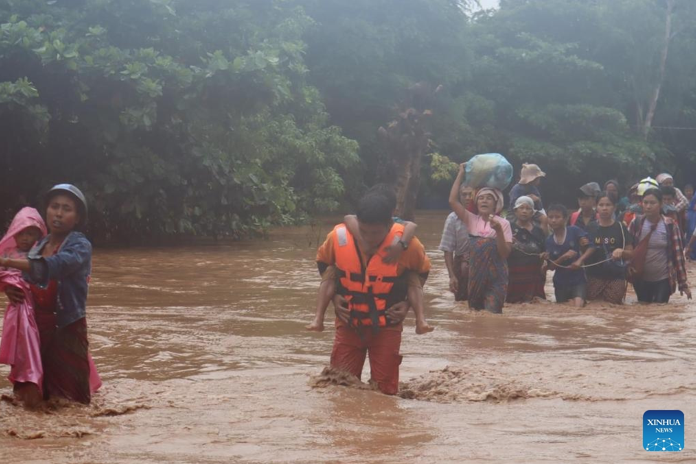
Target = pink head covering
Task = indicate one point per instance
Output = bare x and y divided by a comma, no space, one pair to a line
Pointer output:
497,194
26,217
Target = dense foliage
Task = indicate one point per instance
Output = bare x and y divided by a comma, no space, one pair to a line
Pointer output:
220,117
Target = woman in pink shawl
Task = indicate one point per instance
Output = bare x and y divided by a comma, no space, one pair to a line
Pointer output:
20,346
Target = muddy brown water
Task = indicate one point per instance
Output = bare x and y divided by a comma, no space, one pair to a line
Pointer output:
205,358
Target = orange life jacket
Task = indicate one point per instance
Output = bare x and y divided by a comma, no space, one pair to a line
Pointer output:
369,288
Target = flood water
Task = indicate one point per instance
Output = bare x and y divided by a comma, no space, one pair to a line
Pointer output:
204,358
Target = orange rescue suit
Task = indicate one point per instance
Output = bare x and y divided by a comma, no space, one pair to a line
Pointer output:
369,288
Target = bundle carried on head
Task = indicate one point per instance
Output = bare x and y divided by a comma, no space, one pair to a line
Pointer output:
490,170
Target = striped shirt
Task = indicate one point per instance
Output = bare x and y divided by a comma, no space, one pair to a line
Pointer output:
455,237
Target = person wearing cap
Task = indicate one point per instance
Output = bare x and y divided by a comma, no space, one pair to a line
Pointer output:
490,245
530,178
587,201
58,269
527,269
666,180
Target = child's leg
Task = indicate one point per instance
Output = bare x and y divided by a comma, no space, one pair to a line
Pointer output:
327,289
415,300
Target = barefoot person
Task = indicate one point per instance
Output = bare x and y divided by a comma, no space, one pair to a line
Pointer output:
58,268
371,294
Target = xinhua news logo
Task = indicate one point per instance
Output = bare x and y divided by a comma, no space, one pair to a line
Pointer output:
663,430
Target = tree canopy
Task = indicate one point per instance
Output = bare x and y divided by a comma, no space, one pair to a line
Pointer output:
222,117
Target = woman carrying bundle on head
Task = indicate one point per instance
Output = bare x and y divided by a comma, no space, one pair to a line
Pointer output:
490,246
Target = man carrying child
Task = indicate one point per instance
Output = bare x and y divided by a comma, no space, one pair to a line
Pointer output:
371,295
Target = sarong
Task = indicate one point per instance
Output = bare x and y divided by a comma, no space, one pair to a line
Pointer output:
611,291
488,276
69,370
526,283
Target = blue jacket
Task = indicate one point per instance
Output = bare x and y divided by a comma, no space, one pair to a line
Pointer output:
71,267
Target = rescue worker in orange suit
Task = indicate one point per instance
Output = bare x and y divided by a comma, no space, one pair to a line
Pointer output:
370,301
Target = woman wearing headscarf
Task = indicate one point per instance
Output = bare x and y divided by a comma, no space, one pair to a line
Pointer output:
58,269
490,246
666,180
527,271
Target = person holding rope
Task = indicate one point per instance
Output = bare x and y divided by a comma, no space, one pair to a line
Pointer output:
663,267
613,246
564,252
527,269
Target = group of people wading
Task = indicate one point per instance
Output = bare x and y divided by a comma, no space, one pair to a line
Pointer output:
373,267
45,274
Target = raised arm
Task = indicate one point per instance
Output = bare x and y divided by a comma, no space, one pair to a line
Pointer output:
454,202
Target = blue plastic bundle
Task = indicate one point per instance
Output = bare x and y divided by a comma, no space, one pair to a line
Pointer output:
488,170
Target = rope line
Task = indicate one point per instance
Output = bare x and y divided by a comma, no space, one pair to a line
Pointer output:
538,255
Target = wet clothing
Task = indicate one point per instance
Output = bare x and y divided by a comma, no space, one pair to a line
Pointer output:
350,348
653,292
455,239
568,292
657,259
64,351
71,266
478,227
69,371
20,346
609,290
488,272
607,281
461,273
488,276
351,345
674,250
605,240
566,277
526,280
